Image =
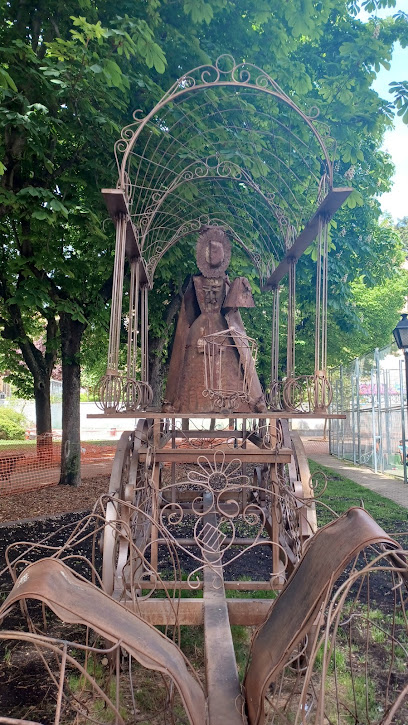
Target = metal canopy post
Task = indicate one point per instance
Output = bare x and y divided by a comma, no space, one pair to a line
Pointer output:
404,448
274,395
333,201
133,327
145,334
290,353
117,291
221,669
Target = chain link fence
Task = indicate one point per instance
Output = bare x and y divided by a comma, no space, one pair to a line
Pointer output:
371,393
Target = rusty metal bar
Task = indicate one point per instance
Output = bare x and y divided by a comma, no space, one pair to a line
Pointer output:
229,585
185,455
284,414
224,693
116,204
295,610
78,602
244,612
333,201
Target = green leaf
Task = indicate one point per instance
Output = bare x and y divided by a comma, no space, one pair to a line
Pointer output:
355,199
57,206
40,214
199,10
6,80
152,53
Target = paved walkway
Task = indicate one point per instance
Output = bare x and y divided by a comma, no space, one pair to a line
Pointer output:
392,488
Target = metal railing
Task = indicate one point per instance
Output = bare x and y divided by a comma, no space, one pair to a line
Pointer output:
371,393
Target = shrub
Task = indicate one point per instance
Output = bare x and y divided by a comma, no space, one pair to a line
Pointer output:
12,424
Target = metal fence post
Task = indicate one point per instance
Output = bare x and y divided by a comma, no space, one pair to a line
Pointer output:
358,409
373,430
342,410
388,416
404,452
353,417
338,422
380,458
330,421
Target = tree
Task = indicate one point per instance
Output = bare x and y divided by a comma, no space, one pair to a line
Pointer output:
63,94
68,83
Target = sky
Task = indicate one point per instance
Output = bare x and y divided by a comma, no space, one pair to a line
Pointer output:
396,139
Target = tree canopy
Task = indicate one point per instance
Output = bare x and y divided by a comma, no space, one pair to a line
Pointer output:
70,79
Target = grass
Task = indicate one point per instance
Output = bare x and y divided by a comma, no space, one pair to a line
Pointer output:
13,443
342,493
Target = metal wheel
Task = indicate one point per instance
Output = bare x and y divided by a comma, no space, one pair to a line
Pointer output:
114,510
127,485
304,488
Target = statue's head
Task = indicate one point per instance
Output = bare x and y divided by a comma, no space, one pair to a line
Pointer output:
213,251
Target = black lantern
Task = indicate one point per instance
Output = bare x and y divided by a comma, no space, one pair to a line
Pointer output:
401,332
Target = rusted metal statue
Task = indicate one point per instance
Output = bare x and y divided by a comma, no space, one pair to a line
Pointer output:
211,492
212,368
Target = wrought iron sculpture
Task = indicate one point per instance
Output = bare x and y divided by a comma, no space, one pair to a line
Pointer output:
254,160
189,503
212,368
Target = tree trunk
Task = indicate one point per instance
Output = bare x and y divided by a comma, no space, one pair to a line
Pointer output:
71,335
43,414
41,366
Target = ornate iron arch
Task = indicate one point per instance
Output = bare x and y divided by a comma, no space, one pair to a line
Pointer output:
206,115
224,143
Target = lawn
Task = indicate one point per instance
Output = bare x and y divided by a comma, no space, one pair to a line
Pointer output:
342,493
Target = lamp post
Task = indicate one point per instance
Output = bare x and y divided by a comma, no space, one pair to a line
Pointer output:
400,333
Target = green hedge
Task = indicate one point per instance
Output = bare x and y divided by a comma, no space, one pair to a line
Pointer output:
12,424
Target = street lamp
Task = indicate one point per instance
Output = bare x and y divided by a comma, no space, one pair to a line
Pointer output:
400,333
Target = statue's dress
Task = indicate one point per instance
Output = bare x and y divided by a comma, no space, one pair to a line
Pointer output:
186,390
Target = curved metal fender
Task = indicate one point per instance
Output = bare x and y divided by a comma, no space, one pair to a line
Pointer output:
328,553
78,602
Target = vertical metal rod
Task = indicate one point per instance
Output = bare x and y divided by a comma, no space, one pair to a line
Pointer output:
353,417
61,685
404,452
144,334
275,336
358,410
379,408
342,410
388,415
373,421
330,423
224,692
318,296
325,263
133,328
290,354
117,293
338,425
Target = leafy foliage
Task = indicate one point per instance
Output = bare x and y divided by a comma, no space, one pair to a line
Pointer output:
71,75
12,424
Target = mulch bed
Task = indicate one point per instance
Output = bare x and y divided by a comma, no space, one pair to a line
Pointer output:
52,500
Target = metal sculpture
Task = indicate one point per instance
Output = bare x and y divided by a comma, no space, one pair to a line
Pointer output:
213,484
212,368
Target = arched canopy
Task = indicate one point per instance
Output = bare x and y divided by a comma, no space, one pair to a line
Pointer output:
227,146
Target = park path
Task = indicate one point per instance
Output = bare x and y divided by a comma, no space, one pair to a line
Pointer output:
395,489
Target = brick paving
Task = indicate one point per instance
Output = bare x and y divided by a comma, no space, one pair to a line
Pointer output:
393,488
